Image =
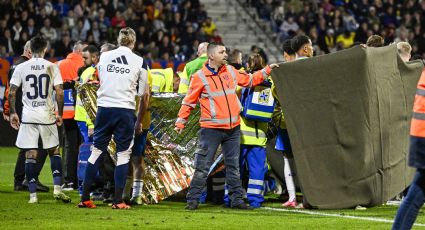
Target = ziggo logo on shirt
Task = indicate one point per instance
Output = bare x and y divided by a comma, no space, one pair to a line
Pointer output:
112,68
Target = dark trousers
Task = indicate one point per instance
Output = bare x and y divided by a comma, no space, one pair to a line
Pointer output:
72,140
209,140
19,173
412,203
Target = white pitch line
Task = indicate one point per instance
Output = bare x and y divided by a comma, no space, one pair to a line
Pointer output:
335,215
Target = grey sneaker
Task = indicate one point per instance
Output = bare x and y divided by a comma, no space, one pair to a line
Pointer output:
62,196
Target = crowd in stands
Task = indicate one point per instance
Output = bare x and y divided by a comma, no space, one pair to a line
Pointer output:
338,24
166,29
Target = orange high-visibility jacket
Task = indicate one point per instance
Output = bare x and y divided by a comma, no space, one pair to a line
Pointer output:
216,93
69,71
417,127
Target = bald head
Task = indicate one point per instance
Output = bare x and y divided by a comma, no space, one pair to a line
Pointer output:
27,49
202,48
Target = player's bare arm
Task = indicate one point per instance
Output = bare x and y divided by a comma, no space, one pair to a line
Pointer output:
14,118
60,102
143,107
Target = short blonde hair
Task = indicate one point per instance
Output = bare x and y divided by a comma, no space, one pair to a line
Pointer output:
126,37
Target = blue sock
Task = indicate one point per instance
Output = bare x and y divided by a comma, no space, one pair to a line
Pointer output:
120,177
31,173
56,166
91,171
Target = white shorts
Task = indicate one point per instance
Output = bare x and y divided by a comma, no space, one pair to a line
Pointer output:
29,133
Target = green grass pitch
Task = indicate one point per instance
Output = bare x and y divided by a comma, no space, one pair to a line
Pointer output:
16,213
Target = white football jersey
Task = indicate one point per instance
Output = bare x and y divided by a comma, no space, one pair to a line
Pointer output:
120,73
38,78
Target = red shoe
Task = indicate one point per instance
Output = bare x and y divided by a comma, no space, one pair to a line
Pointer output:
86,204
121,206
289,204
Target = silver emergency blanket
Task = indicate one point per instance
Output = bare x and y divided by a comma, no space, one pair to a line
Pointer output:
169,155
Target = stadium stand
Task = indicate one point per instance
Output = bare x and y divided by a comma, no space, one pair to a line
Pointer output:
336,24
166,30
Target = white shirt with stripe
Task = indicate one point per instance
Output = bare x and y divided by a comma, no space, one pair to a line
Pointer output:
38,78
122,76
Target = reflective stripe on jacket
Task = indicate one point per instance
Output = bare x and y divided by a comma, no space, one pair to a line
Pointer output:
69,71
216,93
417,127
253,132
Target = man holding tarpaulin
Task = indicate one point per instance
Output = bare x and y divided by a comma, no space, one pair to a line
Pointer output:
214,86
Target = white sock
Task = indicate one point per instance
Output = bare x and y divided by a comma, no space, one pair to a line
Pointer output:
137,188
33,195
57,189
289,180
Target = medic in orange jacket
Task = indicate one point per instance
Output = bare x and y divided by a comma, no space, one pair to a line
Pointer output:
216,92
417,127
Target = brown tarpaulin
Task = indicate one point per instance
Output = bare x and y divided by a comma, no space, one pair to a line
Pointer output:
348,116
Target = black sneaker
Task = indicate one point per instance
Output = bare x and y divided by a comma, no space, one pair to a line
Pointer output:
242,206
191,206
40,187
19,187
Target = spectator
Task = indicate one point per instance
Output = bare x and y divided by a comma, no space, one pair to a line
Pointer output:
3,26
79,32
209,26
361,33
49,32
30,28
62,8
8,42
166,47
216,37
103,21
346,40
118,20
70,20
95,31
64,46
17,29
278,16
143,35
81,8
289,26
